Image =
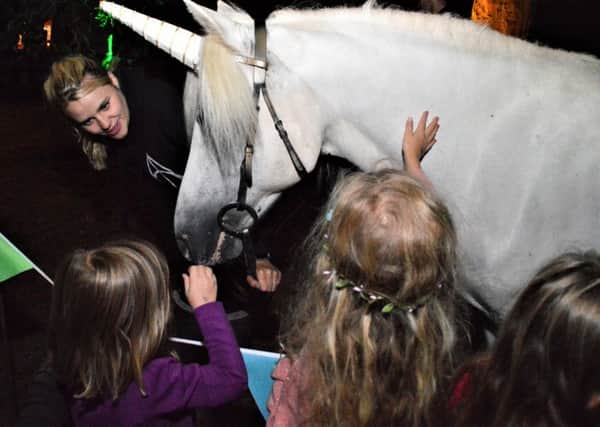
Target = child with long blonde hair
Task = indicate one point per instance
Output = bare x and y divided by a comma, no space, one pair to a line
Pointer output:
373,339
108,330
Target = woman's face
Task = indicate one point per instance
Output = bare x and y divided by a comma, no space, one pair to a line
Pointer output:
103,111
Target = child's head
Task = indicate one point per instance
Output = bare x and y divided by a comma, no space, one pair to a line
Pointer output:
109,315
542,370
388,233
377,326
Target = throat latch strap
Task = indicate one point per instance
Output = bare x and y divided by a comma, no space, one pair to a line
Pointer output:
283,135
259,63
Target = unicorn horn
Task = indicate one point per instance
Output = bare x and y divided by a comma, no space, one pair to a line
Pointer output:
177,42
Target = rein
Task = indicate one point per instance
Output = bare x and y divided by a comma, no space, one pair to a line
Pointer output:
260,69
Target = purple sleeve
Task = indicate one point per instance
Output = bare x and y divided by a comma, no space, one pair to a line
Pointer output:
174,386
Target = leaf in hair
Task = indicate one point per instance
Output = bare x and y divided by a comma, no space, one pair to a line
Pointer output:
388,308
342,283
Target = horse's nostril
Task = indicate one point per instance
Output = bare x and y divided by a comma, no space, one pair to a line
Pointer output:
183,241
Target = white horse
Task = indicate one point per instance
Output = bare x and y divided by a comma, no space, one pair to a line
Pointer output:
518,153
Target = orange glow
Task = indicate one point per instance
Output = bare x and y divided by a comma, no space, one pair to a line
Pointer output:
20,44
507,16
48,28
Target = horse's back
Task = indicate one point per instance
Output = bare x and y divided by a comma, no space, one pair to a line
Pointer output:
524,185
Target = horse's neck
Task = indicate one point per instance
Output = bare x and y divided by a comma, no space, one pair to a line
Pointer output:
334,45
366,73
370,71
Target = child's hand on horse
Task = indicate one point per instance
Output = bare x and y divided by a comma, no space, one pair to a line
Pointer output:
417,142
268,276
200,285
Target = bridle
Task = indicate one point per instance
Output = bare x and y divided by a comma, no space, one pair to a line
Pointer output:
259,63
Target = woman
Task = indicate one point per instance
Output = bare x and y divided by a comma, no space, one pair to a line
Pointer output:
135,123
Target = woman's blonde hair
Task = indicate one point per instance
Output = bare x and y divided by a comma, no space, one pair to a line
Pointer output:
109,315
364,366
71,78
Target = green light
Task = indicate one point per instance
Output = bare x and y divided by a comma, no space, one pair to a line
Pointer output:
109,53
103,18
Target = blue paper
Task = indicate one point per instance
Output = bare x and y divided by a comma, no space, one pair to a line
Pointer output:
260,365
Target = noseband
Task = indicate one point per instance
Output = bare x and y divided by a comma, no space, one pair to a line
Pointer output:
260,68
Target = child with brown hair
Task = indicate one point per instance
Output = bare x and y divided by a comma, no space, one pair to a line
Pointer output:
108,329
542,370
373,339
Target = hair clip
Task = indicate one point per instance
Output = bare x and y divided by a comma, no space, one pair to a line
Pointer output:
329,215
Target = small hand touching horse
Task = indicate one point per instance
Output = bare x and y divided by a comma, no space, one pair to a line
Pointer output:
417,143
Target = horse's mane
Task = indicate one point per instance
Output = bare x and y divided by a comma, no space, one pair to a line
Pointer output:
456,33
226,101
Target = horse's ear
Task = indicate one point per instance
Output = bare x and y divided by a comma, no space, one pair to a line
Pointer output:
215,22
224,7
234,13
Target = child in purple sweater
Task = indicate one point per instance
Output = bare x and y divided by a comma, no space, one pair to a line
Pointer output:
108,325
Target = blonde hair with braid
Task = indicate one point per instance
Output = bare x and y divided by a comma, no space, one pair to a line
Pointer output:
364,366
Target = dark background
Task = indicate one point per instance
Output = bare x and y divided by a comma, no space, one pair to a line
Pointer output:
52,201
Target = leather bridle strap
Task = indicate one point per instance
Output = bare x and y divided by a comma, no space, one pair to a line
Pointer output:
260,66
283,135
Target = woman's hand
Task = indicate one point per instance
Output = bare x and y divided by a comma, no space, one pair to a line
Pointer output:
268,276
200,285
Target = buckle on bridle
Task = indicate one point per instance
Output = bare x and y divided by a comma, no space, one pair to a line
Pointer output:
243,234
240,207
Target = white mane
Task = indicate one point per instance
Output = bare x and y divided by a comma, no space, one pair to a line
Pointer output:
457,33
226,101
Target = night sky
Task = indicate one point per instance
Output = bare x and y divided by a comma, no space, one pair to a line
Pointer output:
552,22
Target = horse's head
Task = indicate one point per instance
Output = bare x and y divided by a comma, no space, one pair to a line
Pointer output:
220,116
